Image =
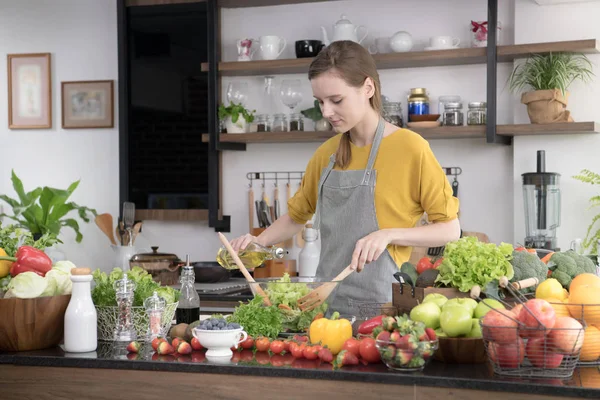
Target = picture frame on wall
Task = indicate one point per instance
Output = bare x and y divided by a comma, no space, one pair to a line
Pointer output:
87,104
29,91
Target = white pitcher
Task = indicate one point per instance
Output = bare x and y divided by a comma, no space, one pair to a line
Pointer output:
271,47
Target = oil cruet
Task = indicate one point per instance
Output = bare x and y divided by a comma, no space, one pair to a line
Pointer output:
125,330
155,306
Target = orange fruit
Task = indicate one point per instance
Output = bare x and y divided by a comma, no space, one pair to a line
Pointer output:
584,304
590,351
584,279
560,308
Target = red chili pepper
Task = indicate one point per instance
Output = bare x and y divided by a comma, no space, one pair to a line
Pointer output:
367,327
29,259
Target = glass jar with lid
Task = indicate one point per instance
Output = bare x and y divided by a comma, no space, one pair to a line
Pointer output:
453,114
392,113
262,122
280,123
296,122
418,102
477,114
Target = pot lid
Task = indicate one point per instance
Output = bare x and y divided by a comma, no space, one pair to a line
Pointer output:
155,256
344,21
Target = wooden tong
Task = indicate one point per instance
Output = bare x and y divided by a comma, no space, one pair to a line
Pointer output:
255,287
317,296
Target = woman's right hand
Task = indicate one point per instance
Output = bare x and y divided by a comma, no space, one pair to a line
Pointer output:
242,242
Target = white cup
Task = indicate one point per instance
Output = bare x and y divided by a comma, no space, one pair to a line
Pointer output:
271,47
380,45
443,42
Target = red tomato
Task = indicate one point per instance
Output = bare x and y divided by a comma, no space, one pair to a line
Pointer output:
262,344
156,342
311,352
424,264
196,344
277,347
352,345
248,343
438,262
286,345
368,350
297,350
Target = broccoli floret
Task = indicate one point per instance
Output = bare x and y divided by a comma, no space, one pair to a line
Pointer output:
528,265
567,265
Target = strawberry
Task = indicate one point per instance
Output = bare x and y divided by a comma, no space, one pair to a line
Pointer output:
425,349
344,358
388,323
430,334
376,331
403,357
389,352
413,342
384,336
184,348
133,347
395,338
325,355
156,342
175,342
165,348
196,344
403,342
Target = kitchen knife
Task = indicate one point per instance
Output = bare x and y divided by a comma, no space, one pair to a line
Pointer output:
261,223
276,203
288,244
250,209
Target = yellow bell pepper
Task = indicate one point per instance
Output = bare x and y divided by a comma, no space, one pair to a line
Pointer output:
332,332
4,264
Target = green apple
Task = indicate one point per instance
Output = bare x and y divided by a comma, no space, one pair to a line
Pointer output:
456,321
427,313
465,302
437,298
475,329
486,305
440,333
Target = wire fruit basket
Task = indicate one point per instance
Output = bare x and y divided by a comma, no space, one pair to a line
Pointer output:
529,340
108,315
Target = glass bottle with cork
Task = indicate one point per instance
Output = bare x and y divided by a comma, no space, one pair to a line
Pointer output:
188,309
253,256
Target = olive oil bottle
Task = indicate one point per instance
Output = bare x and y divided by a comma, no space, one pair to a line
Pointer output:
253,256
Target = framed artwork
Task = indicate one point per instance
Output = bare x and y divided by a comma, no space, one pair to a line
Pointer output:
29,91
87,104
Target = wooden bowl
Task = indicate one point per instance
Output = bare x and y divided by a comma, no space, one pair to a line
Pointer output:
422,118
32,324
461,351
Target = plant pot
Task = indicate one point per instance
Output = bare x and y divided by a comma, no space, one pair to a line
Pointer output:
547,106
322,125
240,126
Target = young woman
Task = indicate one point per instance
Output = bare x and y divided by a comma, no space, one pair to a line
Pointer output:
367,186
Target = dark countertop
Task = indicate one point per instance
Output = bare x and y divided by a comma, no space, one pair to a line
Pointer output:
585,382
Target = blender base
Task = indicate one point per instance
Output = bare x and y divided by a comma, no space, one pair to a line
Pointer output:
542,243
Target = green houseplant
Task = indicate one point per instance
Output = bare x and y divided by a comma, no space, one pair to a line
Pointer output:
44,209
315,114
231,115
549,76
592,236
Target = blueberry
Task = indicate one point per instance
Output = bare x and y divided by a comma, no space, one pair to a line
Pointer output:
224,328
221,324
235,326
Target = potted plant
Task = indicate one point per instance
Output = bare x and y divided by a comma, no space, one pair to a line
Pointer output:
321,124
549,76
592,237
231,115
44,209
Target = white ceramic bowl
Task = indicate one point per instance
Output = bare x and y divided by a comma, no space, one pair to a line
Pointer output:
219,343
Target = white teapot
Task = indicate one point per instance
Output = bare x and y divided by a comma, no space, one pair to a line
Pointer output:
344,30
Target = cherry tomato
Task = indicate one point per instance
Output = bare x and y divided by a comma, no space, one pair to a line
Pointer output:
248,343
297,350
424,264
277,347
352,345
262,344
311,352
286,345
437,262
368,350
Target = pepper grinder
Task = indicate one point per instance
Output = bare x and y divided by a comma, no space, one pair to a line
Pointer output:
125,330
155,306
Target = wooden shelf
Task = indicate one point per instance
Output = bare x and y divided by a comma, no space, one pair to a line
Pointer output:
443,132
465,56
171,215
262,3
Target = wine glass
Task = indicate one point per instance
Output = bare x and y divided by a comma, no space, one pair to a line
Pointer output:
237,92
291,93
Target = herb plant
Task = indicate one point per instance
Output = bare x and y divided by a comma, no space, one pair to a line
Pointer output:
234,111
591,237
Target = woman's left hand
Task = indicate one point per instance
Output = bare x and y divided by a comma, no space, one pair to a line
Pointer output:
369,249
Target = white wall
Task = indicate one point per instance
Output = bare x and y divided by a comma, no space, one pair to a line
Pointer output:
82,37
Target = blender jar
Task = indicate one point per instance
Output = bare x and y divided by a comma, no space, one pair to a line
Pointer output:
541,195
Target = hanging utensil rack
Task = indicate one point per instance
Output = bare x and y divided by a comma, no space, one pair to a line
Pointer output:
277,176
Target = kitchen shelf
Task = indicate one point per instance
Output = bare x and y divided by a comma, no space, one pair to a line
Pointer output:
463,56
171,215
261,3
443,132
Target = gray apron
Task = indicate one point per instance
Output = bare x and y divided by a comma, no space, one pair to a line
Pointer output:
346,213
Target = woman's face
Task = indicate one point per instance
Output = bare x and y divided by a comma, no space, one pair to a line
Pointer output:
342,105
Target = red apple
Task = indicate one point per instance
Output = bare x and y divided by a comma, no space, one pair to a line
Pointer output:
539,352
517,309
500,326
538,316
566,335
507,355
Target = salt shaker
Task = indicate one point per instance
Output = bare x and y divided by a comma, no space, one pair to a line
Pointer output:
80,317
125,330
155,306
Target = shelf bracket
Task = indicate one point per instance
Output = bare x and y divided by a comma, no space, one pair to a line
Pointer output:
492,77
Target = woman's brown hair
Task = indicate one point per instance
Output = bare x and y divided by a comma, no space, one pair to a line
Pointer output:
354,64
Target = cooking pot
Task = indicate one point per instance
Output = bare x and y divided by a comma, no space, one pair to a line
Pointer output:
163,267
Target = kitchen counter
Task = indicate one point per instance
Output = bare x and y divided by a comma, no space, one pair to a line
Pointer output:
111,373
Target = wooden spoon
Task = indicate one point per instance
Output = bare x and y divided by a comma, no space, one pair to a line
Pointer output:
137,227
105,223
242,267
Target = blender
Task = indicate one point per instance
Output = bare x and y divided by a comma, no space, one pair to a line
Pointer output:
541,195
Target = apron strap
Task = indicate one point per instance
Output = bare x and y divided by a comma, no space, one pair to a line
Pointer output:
374,150
324,176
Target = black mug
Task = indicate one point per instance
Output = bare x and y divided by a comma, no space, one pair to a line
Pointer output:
308,48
